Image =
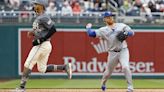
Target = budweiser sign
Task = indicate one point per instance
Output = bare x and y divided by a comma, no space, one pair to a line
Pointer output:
99,66
89,56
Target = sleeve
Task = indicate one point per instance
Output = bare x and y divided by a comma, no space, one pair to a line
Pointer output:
98,33
46,22
129,30
50,27
102,32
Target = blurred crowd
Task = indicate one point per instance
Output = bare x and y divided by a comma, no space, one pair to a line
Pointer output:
135,7
65,7
73,7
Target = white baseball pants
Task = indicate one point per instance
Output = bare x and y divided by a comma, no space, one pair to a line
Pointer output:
39,55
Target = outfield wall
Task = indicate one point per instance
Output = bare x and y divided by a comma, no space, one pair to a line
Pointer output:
71,44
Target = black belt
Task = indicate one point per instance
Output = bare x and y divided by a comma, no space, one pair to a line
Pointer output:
115,50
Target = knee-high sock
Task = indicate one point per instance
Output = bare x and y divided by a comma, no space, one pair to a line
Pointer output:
51,68
25,76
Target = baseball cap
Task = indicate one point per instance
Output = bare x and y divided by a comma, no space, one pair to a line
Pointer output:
107,14
41,2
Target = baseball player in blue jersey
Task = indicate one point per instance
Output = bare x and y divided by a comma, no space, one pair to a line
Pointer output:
43,30
115,34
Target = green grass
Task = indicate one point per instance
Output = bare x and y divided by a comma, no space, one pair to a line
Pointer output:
84,83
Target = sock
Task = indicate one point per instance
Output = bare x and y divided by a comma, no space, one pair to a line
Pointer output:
61,67
25,77
51,68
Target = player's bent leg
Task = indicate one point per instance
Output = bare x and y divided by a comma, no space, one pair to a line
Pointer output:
67,68
28,65
128,77
42,69
105,77
112,62
24,78
42,63
52,68
124,60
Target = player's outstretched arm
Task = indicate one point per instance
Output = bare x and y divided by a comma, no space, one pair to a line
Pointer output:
90,31
128,31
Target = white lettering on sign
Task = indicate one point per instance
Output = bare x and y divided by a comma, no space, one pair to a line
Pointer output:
99,66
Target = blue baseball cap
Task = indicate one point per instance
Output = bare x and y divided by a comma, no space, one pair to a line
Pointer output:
107,14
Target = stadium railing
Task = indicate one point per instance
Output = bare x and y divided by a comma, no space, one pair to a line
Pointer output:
93,17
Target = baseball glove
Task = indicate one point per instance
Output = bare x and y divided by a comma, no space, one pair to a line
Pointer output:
122,35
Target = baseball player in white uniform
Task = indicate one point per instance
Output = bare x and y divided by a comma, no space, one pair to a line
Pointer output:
115,34
43,29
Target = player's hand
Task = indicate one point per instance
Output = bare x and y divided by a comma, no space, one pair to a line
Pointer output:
30,34
89,25
38,41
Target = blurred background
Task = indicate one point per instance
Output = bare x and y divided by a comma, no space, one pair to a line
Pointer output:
71,43
75,11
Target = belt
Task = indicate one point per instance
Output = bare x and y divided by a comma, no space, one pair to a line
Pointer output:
115,50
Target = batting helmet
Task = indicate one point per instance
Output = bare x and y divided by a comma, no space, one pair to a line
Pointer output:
41,2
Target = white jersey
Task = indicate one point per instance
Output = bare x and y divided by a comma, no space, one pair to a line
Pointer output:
109,34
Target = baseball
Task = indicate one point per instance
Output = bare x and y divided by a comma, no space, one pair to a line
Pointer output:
89,25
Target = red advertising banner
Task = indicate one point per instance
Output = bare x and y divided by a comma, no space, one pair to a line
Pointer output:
88,55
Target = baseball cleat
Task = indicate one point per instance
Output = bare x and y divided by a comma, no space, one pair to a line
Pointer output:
129,90
20,90
68,70
103,87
